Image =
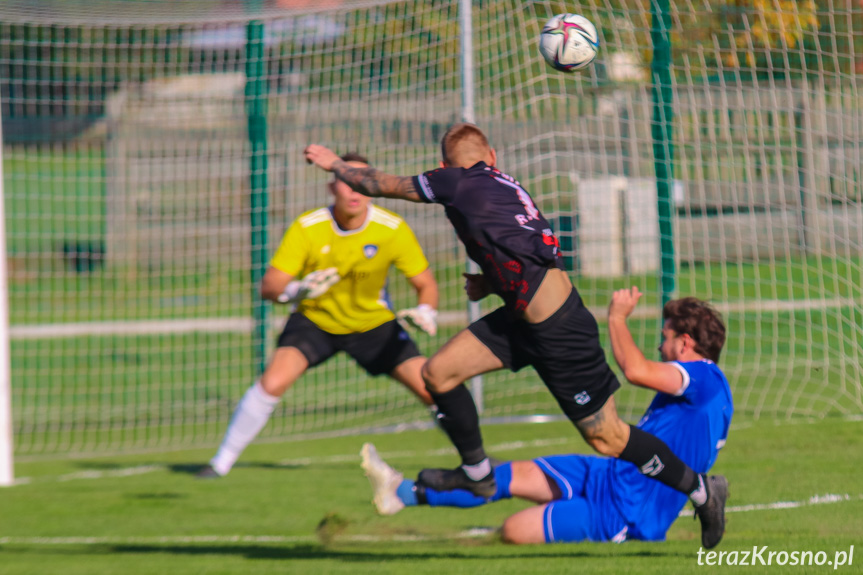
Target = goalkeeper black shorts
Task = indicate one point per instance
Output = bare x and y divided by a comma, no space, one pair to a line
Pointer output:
379,350
564,349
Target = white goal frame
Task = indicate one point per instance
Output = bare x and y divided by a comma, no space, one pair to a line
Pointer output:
7,472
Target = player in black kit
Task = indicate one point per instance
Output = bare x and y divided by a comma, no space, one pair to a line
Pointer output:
543,322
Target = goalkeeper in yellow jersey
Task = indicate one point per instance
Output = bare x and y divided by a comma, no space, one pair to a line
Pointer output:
332,266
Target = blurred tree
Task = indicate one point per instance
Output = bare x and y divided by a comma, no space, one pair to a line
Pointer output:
760,28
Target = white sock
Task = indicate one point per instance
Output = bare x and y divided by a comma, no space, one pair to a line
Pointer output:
252,414
479,470
699,496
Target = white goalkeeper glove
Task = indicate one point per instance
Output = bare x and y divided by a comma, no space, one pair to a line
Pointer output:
422,317
311,286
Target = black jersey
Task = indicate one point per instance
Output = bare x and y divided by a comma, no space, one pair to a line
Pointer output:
499,225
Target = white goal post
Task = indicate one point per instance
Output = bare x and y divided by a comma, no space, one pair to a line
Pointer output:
7,472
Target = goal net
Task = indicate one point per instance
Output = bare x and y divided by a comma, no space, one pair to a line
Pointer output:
153,159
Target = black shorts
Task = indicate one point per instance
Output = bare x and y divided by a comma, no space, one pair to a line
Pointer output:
379,350
564,349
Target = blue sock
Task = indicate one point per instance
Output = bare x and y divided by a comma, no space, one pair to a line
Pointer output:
407,493
465,499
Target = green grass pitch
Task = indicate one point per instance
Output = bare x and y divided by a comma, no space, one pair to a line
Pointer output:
146,514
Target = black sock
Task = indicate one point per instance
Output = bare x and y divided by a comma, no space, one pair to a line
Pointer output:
420,492
654,458
458,417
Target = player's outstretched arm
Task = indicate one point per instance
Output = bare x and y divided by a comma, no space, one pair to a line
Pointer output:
280,287
366,180
274,283
636,368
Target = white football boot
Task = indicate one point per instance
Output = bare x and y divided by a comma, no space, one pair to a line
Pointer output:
384,479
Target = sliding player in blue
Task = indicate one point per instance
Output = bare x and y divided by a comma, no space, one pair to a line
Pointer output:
588,498
542,323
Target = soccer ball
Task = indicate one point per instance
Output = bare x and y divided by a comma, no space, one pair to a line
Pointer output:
569,42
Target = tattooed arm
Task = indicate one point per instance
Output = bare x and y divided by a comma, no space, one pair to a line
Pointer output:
366,180
374,183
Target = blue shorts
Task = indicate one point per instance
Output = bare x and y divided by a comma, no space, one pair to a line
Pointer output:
585,511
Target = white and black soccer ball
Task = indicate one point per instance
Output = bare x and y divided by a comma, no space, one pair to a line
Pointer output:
569,42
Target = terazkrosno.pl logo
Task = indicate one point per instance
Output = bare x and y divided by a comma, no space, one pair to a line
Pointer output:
765,556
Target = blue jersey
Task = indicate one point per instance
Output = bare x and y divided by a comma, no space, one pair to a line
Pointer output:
622,502
694,424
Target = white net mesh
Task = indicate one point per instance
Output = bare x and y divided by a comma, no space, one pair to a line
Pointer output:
137,209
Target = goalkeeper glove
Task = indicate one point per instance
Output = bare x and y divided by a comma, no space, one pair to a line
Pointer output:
313,285
422,317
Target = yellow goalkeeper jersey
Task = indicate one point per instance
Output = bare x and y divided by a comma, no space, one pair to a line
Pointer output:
358,302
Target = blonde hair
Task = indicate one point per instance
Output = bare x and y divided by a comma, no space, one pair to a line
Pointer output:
464,145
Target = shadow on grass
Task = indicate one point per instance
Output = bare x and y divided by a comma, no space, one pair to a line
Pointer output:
193,468
313,552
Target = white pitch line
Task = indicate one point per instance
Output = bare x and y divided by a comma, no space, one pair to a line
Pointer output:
814,500
123,472
508,446
340,458
126,328
242,324
296,462
92,474
163,326
474,533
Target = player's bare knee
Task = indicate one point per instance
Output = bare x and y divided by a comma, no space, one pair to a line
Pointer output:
600,445
604,431
607,443
428,377
519,529
273,385
509,532
432,377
